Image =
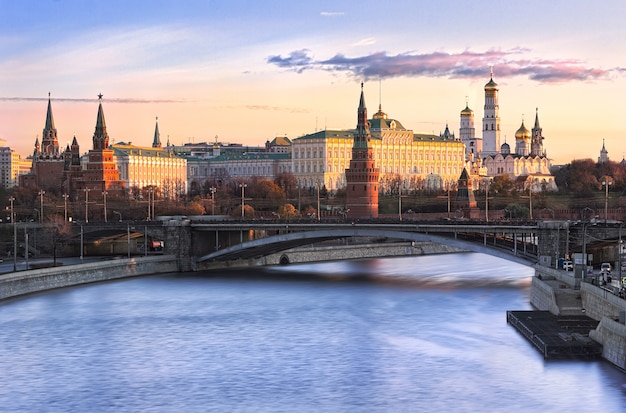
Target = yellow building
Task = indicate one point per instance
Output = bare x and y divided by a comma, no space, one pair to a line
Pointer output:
142,166
421,161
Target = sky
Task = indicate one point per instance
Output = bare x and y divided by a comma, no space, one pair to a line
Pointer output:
248,71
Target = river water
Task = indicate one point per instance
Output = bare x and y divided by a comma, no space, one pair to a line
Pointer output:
383,335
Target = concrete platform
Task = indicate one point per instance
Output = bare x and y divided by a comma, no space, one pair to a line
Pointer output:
557,337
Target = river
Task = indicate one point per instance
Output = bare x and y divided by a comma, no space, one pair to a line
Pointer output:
404,334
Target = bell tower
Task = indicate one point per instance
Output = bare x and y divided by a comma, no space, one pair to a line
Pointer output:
491,119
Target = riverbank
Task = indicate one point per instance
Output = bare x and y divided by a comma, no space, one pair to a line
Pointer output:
26,282
561,294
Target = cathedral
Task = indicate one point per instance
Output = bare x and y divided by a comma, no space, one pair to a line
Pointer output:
528,165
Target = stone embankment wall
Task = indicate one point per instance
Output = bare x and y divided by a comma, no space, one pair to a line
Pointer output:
612,336
26,282
335,253
542,296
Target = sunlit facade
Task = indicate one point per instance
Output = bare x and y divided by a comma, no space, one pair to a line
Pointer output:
420,160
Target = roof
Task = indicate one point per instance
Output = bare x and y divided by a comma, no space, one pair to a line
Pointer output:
250,156
385,123
329,133
126,149
281,141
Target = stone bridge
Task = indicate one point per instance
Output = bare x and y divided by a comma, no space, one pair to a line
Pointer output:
198,240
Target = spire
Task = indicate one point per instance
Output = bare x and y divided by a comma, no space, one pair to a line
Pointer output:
100,136
49,141
363,136
49,117
156,143
537,119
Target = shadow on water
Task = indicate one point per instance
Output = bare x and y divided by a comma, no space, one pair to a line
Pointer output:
432,272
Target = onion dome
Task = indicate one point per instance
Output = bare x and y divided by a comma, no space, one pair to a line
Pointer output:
467,111
505,149
491,85
522,133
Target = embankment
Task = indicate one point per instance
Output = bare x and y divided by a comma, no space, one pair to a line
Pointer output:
26,282
560,293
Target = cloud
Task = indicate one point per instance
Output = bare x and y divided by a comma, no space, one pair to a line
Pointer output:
331,13
368,41
467,64
276,108
114,100
297,60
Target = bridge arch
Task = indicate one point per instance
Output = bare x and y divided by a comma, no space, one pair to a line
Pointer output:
273,244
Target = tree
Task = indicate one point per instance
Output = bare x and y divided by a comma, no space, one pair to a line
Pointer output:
578,178
265,194
287,211
289,184
501,184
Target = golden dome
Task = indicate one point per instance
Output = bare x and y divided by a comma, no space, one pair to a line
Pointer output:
522,133
491,85
467,111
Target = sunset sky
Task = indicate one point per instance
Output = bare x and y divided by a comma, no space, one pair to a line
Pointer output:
247,71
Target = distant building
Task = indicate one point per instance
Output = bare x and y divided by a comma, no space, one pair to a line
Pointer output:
604,154
11,166
280,144
140,167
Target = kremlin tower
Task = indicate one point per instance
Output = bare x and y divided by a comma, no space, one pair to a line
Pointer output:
362,175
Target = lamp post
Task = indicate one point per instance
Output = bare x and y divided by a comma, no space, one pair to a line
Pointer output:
14,235
82,240
87,205
212,190
65,196
318,201
606,184
530,200
243,191
41,202
104,195
400,202
487,200
149,203
119,214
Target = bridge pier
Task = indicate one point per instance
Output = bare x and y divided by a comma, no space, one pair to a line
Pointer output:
177,242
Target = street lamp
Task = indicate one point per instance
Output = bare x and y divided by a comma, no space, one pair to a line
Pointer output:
65,196
243,191
86,205
318,200
41,210
400,202
104,194
119,214
14,235
212,190
606,184
486,200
